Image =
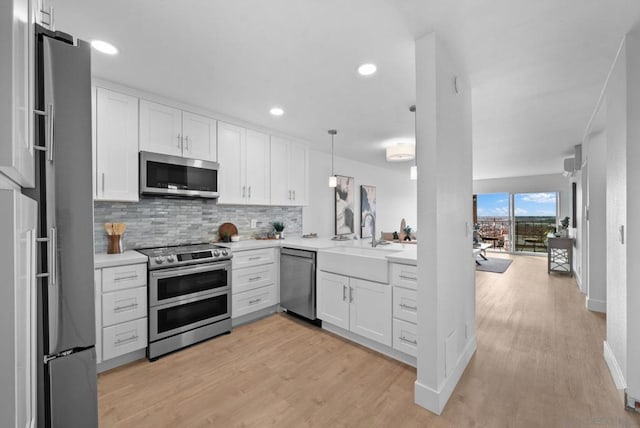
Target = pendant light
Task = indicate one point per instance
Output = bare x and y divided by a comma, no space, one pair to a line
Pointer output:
413,172
333,181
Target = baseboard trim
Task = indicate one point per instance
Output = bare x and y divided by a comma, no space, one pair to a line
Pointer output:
106,365
371,344
435,401
578,278
614,367
253,316
596,305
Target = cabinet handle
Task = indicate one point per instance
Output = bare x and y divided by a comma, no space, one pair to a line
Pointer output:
244,191
126,340
125,307
294,195
350,295
255,278
48,14
179,145
344,293
103,183
254,258
413,308
404,339
289,194
186,140
249,195
125,278
253,302
408,278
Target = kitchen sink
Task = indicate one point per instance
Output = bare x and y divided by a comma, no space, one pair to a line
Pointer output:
357,261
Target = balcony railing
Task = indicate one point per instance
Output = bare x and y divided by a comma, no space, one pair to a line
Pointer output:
530,232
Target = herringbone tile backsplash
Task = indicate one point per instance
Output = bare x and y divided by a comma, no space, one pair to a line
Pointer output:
158,221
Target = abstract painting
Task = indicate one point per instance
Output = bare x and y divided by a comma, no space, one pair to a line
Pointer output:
345,189
367,206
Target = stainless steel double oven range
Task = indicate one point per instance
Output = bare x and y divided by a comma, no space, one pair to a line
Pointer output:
189,295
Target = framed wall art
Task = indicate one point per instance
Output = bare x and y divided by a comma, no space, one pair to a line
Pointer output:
345,208
367,206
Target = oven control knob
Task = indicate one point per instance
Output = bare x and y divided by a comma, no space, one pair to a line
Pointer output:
159,260
225,253
171,259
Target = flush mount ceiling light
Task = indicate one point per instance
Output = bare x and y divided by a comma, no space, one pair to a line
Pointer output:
276,111
367,69
104,47
333,181
400,152
413,172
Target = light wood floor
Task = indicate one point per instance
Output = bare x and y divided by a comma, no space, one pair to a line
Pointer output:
539,364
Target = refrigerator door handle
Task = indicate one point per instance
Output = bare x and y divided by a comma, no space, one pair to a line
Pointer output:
48,140
51,256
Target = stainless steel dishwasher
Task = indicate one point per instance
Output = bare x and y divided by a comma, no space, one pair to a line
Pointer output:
298,282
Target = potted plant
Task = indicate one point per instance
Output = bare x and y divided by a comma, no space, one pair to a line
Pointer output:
226,237
278,226
407,233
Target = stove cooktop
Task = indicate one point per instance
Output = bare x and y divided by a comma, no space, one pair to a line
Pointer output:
180,255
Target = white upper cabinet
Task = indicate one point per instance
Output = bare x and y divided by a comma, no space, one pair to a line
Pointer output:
288,172
171,131
231,145
116,146
16,118
244,165
160,129
199,140
257,168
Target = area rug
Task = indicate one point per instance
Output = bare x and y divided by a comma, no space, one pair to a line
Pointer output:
494,265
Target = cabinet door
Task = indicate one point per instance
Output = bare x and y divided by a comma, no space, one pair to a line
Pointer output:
231,176
281,193
97,281
116,146
333,299
16,123
370,310
257,164
199,137
160,129
298,173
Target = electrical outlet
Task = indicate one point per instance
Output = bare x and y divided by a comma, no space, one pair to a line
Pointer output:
254,223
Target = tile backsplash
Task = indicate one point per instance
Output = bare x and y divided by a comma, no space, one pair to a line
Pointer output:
159,221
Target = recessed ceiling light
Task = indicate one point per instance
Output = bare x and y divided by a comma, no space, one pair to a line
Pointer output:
276,111
367,69
104,47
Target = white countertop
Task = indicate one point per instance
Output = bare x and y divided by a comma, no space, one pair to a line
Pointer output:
407,253
130,257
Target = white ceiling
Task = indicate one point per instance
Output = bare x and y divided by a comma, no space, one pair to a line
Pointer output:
536,67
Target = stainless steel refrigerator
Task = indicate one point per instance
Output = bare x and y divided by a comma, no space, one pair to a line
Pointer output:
67,390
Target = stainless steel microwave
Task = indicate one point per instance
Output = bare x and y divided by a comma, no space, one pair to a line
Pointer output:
177,176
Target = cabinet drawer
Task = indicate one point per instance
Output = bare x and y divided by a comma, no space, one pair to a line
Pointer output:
123,338
405,304
405,337
122,277
253,277
243,259
251,301
404,276
125,305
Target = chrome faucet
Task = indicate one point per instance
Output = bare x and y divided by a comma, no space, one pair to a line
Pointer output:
373,223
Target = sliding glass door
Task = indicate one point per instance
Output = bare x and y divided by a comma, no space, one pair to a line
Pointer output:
535,215
516,222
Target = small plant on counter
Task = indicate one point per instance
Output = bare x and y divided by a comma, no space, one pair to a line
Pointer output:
564,223
226,237
278,226
407,232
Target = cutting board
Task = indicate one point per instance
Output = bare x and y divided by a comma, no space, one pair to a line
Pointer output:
229,228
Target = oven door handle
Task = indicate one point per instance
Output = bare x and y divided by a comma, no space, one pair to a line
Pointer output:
188,270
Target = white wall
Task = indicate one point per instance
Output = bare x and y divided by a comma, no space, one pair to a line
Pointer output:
395,194
446,273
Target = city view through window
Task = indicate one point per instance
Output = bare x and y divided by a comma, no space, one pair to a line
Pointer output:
518,221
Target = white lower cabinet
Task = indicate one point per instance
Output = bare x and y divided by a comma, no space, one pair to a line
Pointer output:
404,280
253,281
363,307
121,310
